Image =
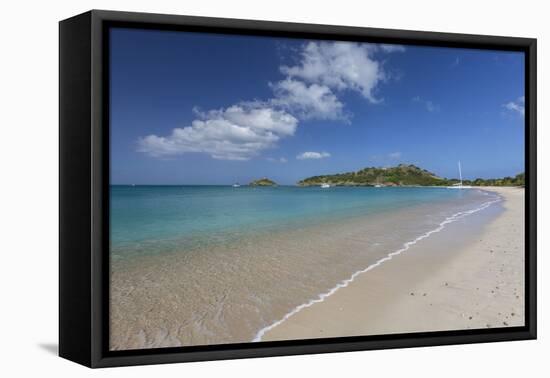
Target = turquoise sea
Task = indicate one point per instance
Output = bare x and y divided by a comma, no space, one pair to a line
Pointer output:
194,265
216,214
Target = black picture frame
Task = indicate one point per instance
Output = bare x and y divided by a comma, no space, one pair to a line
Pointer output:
84,188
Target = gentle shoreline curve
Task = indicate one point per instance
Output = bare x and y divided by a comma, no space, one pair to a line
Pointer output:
475,284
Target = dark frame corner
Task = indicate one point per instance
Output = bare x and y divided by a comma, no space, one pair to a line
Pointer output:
84,183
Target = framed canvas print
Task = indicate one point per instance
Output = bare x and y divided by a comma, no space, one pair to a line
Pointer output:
233,188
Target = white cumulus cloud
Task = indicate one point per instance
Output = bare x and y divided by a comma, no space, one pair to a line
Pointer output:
236,133
309,90
307,101
517,106
312,155
340,65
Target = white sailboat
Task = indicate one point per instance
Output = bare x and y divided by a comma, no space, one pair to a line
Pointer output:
325,185
459,185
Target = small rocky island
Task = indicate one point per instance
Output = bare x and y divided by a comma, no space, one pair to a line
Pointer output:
263,182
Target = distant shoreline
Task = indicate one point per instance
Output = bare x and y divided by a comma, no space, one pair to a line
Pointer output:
402,175
313,186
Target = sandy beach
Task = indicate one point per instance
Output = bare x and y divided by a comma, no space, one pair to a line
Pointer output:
460,267
472,283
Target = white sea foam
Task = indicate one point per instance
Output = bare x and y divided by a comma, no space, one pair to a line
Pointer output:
346,282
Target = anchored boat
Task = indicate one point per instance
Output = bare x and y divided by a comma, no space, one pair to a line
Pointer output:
459,184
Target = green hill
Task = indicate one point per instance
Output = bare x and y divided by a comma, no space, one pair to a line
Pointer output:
393,176
517,180
402,175
263,182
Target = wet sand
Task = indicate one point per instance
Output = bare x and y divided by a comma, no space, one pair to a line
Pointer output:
226,293
229,292
445,282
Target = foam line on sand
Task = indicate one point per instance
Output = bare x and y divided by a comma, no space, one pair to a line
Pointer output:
323,296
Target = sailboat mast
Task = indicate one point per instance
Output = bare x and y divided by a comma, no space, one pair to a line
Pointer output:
460,172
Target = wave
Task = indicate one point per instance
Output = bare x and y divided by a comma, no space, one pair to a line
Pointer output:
321,297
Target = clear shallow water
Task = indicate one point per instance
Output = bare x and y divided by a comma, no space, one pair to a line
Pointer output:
211,265
193,216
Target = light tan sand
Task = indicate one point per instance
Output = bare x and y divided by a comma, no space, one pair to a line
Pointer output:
469,285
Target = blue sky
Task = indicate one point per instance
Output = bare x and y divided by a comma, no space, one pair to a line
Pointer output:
192,108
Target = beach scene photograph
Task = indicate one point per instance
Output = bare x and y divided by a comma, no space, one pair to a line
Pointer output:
272,189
